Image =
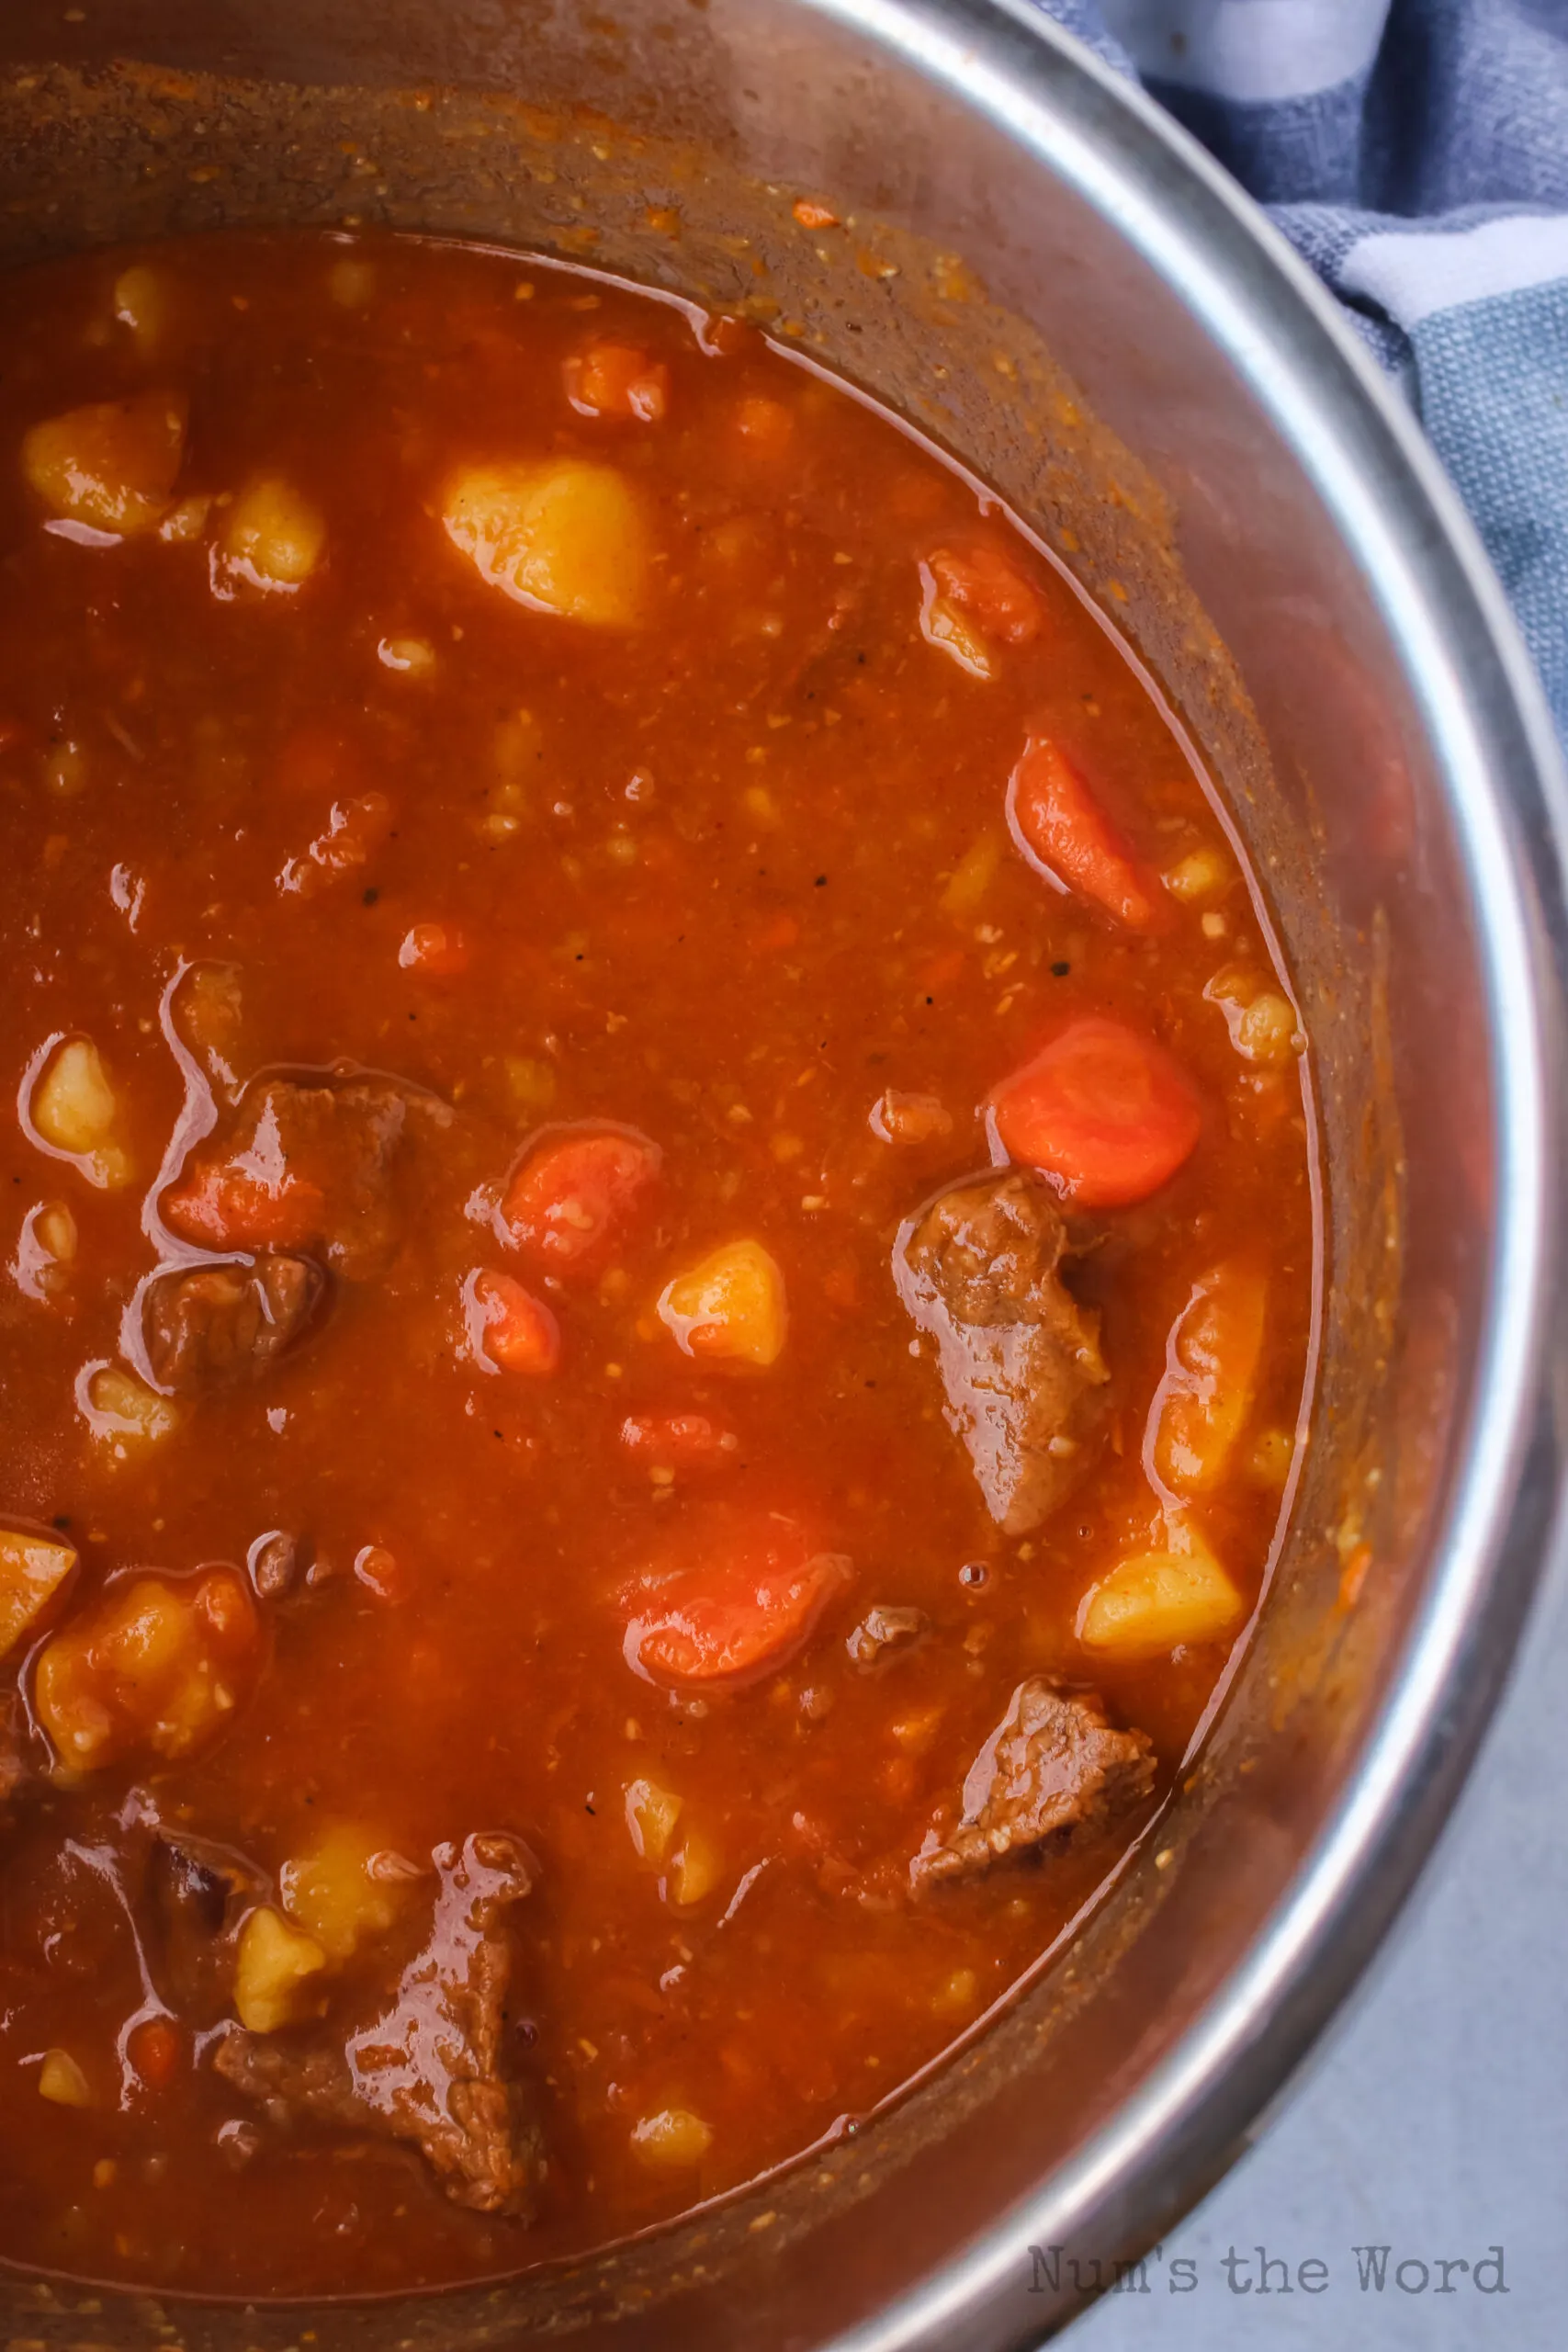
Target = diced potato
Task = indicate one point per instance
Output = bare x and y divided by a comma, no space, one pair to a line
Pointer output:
1268,1030
274,536
56,1231
73,1110
274,1973
1202,1404
1157,1601
151,1664
33,1570
143,301
62,2081
123,1412
1201,877
696,1870
530,1083
332,1894
353,283
1271,1457
411,657
112,465
209,1010
186,522
956,1996
565,535
67,770
943,625
1263,1024
909,1118
672,2139
730,1308
47,1246
651,1815
971,877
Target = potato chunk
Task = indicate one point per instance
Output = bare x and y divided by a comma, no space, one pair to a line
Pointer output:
331,1891
694,1871
122,1412
143,301
565,537
33,1570
74,1111
112,465
1155,1603
730,1308
62,2081
154,1665
274,1973
651,1814
1202,1404
274,536
671,2139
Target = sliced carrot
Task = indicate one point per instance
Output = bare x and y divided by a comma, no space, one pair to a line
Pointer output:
227,1207
574,1194
1067,835
994,592
678,1441
736,1607
1103,1110
436,950
509,1328
812,215
610,379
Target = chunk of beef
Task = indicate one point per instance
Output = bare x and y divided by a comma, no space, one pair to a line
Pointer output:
1020,1358
307,1166
883,1630
208,1328
427,2067
1053,1768
194,1896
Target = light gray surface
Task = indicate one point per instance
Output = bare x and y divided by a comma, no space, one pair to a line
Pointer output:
1437,2123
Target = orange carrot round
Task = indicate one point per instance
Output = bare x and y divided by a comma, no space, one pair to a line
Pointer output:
1103,1110
738,1606
574,1194
509,1328
1067,835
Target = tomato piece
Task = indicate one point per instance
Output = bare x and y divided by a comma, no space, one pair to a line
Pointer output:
1067,835
678,1441
610,379
1103,1110
982,582
233,1208
435,950
738,1607
509,1328
575,1192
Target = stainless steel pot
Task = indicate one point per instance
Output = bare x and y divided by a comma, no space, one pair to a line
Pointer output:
1038,269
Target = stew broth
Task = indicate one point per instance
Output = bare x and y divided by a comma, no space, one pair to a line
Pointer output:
541,837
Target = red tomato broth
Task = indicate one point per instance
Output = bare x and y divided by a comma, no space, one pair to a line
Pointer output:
709,893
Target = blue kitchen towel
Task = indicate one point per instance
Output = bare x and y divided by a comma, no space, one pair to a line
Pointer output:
1416,152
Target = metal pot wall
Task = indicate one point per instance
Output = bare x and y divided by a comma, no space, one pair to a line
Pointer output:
1039,270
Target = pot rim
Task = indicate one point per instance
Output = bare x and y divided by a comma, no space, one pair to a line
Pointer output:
1487,718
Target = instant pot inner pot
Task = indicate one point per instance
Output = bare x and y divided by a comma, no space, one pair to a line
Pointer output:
970,289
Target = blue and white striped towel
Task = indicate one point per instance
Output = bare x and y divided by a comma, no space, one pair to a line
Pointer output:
1416,152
